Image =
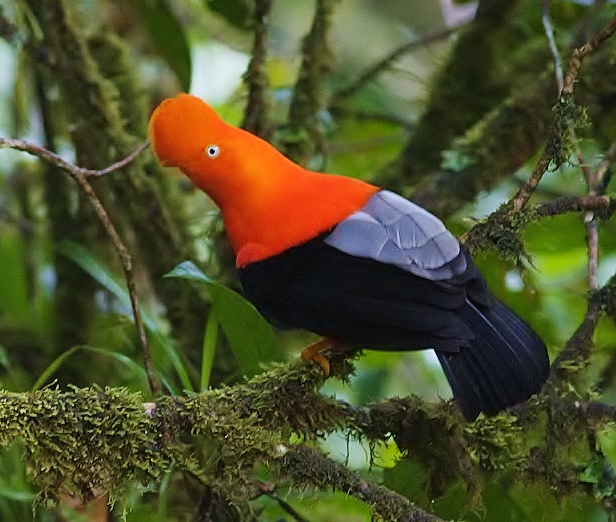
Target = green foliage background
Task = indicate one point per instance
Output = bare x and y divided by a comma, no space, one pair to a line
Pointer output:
456,122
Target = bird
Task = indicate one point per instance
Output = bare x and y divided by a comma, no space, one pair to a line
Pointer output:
358,265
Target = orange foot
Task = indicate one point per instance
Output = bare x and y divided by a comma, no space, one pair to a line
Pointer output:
314,352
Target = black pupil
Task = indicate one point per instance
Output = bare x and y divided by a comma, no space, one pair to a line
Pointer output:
212,151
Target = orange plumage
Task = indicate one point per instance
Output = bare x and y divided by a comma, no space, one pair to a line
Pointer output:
268,203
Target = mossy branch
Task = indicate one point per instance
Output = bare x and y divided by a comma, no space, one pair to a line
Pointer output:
493,148
103,106
372,72
503,227
463,91
309,468
84,441
304,137
255,116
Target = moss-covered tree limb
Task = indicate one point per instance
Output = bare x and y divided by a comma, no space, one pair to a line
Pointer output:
83,441
309,468
499,144
304,137
502,227
255,116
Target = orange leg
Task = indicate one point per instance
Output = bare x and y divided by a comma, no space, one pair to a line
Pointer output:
313,352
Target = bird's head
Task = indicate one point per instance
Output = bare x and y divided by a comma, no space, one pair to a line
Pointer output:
222,160
268,203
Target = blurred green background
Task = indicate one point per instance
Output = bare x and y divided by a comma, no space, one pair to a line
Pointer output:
82,77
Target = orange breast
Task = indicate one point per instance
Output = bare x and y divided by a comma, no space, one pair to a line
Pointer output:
303,206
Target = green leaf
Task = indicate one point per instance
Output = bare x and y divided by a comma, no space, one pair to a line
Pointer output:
188,270
163,496
167,33
209,349
14,300
161,346
20,495
251,337
58,361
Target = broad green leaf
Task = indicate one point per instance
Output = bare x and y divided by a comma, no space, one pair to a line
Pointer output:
14,301
167,33
210,339
188,270
20,495
251,337
160,344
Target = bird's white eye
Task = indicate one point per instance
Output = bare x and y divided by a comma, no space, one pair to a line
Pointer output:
212,151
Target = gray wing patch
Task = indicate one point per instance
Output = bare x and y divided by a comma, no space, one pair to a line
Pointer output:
393,230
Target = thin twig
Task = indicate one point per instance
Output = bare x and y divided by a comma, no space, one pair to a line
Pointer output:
61,163
524,193
118,164
549,33
576,204
579,54
270,491
574,356
386,61
592,241
608,158
595,182
309,466
592,230
558,72
80,174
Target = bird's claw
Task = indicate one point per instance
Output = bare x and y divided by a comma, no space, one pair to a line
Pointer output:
314,352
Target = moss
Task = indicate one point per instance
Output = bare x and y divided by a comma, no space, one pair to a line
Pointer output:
473,80
88,440
85,441
498,443
568,117
103,105
90,101
608,298
311,470
503,230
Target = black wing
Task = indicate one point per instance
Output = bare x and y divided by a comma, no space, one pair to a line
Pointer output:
359,301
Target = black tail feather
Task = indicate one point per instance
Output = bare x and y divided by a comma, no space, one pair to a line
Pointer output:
503,365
